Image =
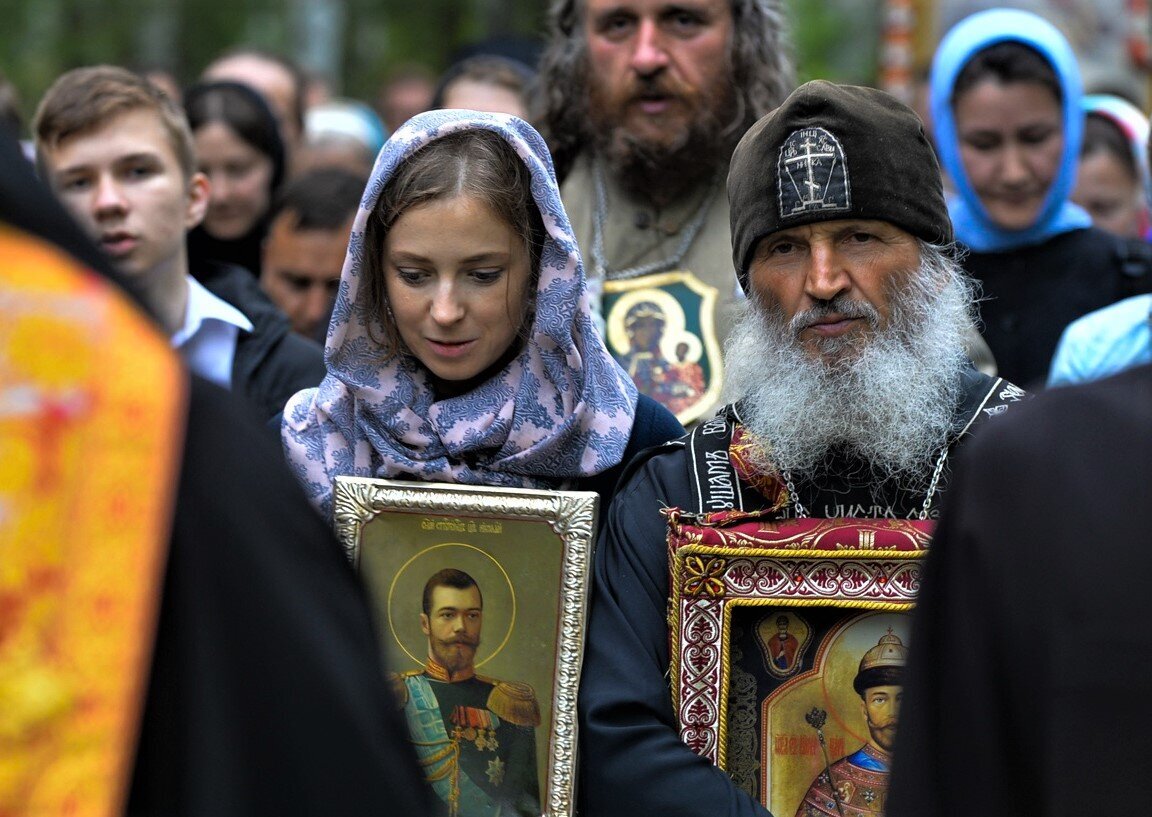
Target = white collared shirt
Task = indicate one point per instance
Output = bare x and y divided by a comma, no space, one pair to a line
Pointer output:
207,340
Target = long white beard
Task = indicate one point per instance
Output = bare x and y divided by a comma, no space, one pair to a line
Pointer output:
890,399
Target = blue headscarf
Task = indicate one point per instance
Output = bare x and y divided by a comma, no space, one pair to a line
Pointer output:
561,410
973,34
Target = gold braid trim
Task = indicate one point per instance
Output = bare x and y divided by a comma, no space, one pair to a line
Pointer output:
449,749
450,770
514,702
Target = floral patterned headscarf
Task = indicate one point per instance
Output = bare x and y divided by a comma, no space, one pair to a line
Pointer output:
561,409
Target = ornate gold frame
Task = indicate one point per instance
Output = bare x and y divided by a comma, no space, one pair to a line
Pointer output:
710,582
571,515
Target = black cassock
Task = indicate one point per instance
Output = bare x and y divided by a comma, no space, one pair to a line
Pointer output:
1029,684
267,694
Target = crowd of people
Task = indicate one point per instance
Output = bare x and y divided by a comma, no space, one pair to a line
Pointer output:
640,261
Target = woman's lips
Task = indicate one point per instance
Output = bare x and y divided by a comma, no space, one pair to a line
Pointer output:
1018,198
445,348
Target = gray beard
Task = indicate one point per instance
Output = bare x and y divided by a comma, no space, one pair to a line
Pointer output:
889,400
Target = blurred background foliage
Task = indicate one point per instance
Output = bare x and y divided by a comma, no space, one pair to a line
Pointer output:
352,44
355,44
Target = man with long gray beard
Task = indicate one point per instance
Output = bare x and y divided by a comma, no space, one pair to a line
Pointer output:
642,102
851,390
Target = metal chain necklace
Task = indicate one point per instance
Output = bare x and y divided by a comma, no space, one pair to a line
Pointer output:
800,512
690,231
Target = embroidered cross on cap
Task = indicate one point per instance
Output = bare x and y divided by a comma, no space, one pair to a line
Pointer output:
834,152
812,174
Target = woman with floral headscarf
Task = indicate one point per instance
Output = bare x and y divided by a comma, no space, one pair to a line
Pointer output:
462,346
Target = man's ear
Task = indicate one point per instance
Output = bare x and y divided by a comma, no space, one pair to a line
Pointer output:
425,625
199,191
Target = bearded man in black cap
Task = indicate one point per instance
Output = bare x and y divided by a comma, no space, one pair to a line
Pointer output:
851,389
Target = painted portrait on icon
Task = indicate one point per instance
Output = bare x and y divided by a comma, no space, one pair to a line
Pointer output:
479,596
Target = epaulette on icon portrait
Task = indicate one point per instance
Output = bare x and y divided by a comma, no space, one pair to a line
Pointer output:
515,702
399,688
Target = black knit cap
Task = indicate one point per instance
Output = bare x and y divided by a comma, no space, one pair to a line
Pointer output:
834,152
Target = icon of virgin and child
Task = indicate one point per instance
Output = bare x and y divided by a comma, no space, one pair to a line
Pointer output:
475,736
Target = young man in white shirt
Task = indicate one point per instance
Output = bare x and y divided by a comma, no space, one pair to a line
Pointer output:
119,154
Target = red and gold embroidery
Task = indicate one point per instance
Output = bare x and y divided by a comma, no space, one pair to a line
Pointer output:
91,414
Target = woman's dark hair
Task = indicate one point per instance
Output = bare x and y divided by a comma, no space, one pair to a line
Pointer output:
1102,135
478,164
244,112
1007,62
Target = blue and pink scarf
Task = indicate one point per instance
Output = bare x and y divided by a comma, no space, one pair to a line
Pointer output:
562,409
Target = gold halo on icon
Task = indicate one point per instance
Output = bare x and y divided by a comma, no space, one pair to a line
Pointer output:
477,563
673,316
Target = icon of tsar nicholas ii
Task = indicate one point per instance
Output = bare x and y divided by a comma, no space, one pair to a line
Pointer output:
859,781
475,737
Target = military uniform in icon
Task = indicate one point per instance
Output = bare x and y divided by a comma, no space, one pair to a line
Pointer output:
476,741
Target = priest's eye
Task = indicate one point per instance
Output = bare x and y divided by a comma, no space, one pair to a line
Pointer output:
616,27
684,23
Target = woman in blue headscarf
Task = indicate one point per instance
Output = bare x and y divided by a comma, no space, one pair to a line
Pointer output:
1006,110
